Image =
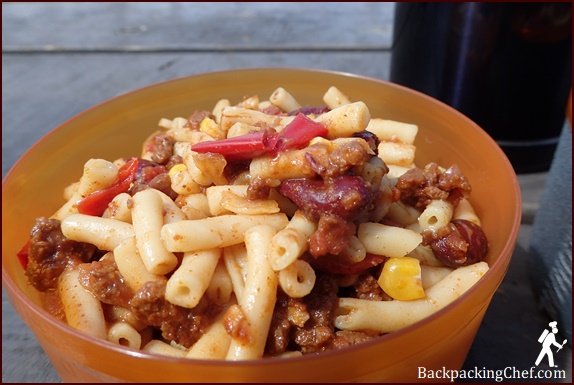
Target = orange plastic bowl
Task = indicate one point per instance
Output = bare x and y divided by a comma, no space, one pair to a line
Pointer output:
118,127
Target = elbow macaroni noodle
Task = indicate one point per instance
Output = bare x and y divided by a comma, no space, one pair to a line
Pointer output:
215,241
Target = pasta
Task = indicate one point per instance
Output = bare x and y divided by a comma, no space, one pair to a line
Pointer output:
389,316
160,347
291,242
284,100
390,241
334,98
393,131
104,233
403,214
344,121
297,279
118,208
260,229
258,297
221,231
397,154
437,214
83,311
464,210
234,258
425,255
98,173
189,282
231,199
114,314
213,345
131,266
147,218
124,334
220,289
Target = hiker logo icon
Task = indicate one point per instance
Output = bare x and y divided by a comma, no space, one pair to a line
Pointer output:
548,339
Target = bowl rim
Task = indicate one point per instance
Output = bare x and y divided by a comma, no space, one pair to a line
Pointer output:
501,263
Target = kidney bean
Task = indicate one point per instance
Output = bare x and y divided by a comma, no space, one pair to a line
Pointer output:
372,140
347,197
461,243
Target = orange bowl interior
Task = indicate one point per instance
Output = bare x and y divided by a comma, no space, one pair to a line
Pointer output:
118,127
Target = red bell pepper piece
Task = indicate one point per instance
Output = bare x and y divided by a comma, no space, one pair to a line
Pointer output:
296,134
96,202
241,147
23,255
299,132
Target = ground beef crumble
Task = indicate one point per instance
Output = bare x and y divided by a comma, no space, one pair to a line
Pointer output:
182,325
306,324
418,187
50,252
103,279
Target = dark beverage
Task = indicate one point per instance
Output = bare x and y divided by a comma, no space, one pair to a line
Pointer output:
507,66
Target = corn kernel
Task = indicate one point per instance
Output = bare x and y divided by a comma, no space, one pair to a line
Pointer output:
211,128
401,278
175,169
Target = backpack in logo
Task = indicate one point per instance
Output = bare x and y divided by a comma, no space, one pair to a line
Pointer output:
543,335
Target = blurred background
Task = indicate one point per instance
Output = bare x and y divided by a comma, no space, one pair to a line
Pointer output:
508,67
